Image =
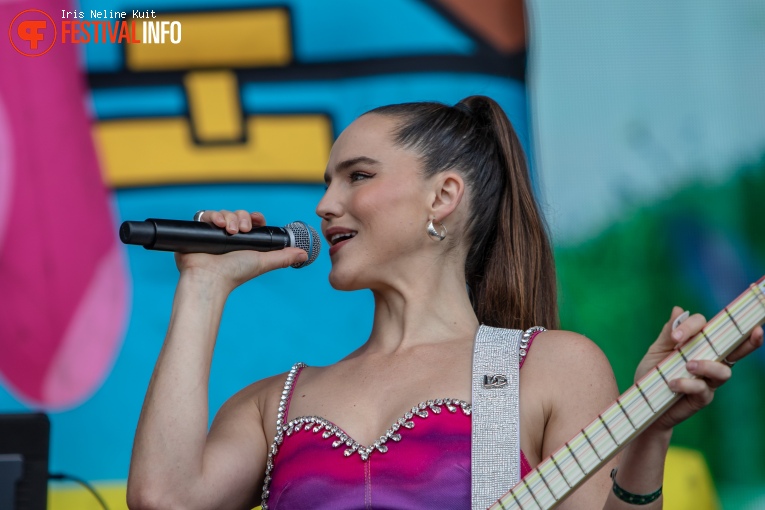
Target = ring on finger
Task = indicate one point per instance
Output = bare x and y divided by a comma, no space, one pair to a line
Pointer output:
728,363
198,215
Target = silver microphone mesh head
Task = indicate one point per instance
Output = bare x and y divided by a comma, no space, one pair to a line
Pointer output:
307,239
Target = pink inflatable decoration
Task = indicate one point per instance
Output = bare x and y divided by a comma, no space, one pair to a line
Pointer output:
63,281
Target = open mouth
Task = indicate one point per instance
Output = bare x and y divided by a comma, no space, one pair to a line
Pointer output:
339,238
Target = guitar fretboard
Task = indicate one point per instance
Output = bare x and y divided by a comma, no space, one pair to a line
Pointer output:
584,454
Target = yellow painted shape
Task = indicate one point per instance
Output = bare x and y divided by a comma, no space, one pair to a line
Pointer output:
214,105
160,151
688,484
243,38
75,497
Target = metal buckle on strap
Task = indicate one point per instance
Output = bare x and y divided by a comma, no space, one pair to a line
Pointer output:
494,381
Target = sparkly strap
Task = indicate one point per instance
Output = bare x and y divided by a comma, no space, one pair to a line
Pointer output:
495,439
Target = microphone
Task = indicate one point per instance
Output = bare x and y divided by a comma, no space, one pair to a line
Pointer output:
200,237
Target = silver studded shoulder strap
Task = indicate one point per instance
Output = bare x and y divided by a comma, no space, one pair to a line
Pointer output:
495,449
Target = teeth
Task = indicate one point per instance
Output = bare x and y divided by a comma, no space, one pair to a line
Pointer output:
335,238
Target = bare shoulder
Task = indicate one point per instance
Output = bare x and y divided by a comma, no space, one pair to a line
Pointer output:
567,355
259,399
573,379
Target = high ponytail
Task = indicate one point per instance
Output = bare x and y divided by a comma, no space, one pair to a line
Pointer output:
517,286
509,268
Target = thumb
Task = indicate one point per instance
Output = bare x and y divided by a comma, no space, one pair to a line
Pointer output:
665,342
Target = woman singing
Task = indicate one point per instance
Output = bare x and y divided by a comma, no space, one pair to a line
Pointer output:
431,208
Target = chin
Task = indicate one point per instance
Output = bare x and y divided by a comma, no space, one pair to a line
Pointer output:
346,280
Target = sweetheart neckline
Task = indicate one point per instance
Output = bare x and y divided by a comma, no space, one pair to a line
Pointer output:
331,428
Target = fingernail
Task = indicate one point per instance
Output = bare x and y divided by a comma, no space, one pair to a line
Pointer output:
680,318
232,226
692,365
243,224
677,334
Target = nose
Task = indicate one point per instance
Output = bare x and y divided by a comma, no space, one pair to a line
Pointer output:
329,206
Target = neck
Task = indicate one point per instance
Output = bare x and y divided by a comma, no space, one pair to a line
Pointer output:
423,310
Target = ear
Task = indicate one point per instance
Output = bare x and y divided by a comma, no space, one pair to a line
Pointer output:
449,188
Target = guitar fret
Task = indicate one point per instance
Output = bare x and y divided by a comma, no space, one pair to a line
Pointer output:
733,320
512,493
645,398
659,391
625,413
675,367
573,455
664,378
562,474
748,313
547,484
608,429
694,349
704,333
719,334
532,493
591,445
634,408
640,412
758,293
725,334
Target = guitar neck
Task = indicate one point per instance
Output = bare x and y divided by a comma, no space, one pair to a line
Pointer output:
583,455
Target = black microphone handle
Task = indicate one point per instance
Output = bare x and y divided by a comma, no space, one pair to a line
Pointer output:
200,237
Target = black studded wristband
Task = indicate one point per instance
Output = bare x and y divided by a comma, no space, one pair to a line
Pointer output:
633,499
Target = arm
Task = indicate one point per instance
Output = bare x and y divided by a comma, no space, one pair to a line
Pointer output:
574,382
175,462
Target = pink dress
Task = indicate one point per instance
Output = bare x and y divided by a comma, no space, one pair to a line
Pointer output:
422,461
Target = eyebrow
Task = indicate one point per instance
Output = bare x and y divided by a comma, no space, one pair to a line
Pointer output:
344,165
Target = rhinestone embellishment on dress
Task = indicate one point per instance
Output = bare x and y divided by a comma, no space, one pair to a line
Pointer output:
525,339
316,424
280,416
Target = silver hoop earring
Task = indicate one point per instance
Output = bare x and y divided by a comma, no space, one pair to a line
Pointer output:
435,234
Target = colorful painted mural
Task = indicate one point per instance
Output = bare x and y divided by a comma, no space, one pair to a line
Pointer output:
242,114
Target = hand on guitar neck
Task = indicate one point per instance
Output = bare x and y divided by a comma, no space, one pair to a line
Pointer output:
642,462
709,374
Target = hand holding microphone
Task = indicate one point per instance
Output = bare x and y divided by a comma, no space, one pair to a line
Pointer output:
243,245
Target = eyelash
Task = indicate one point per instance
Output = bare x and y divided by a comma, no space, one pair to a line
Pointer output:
354,177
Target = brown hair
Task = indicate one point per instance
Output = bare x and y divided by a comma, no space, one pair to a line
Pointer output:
509,268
